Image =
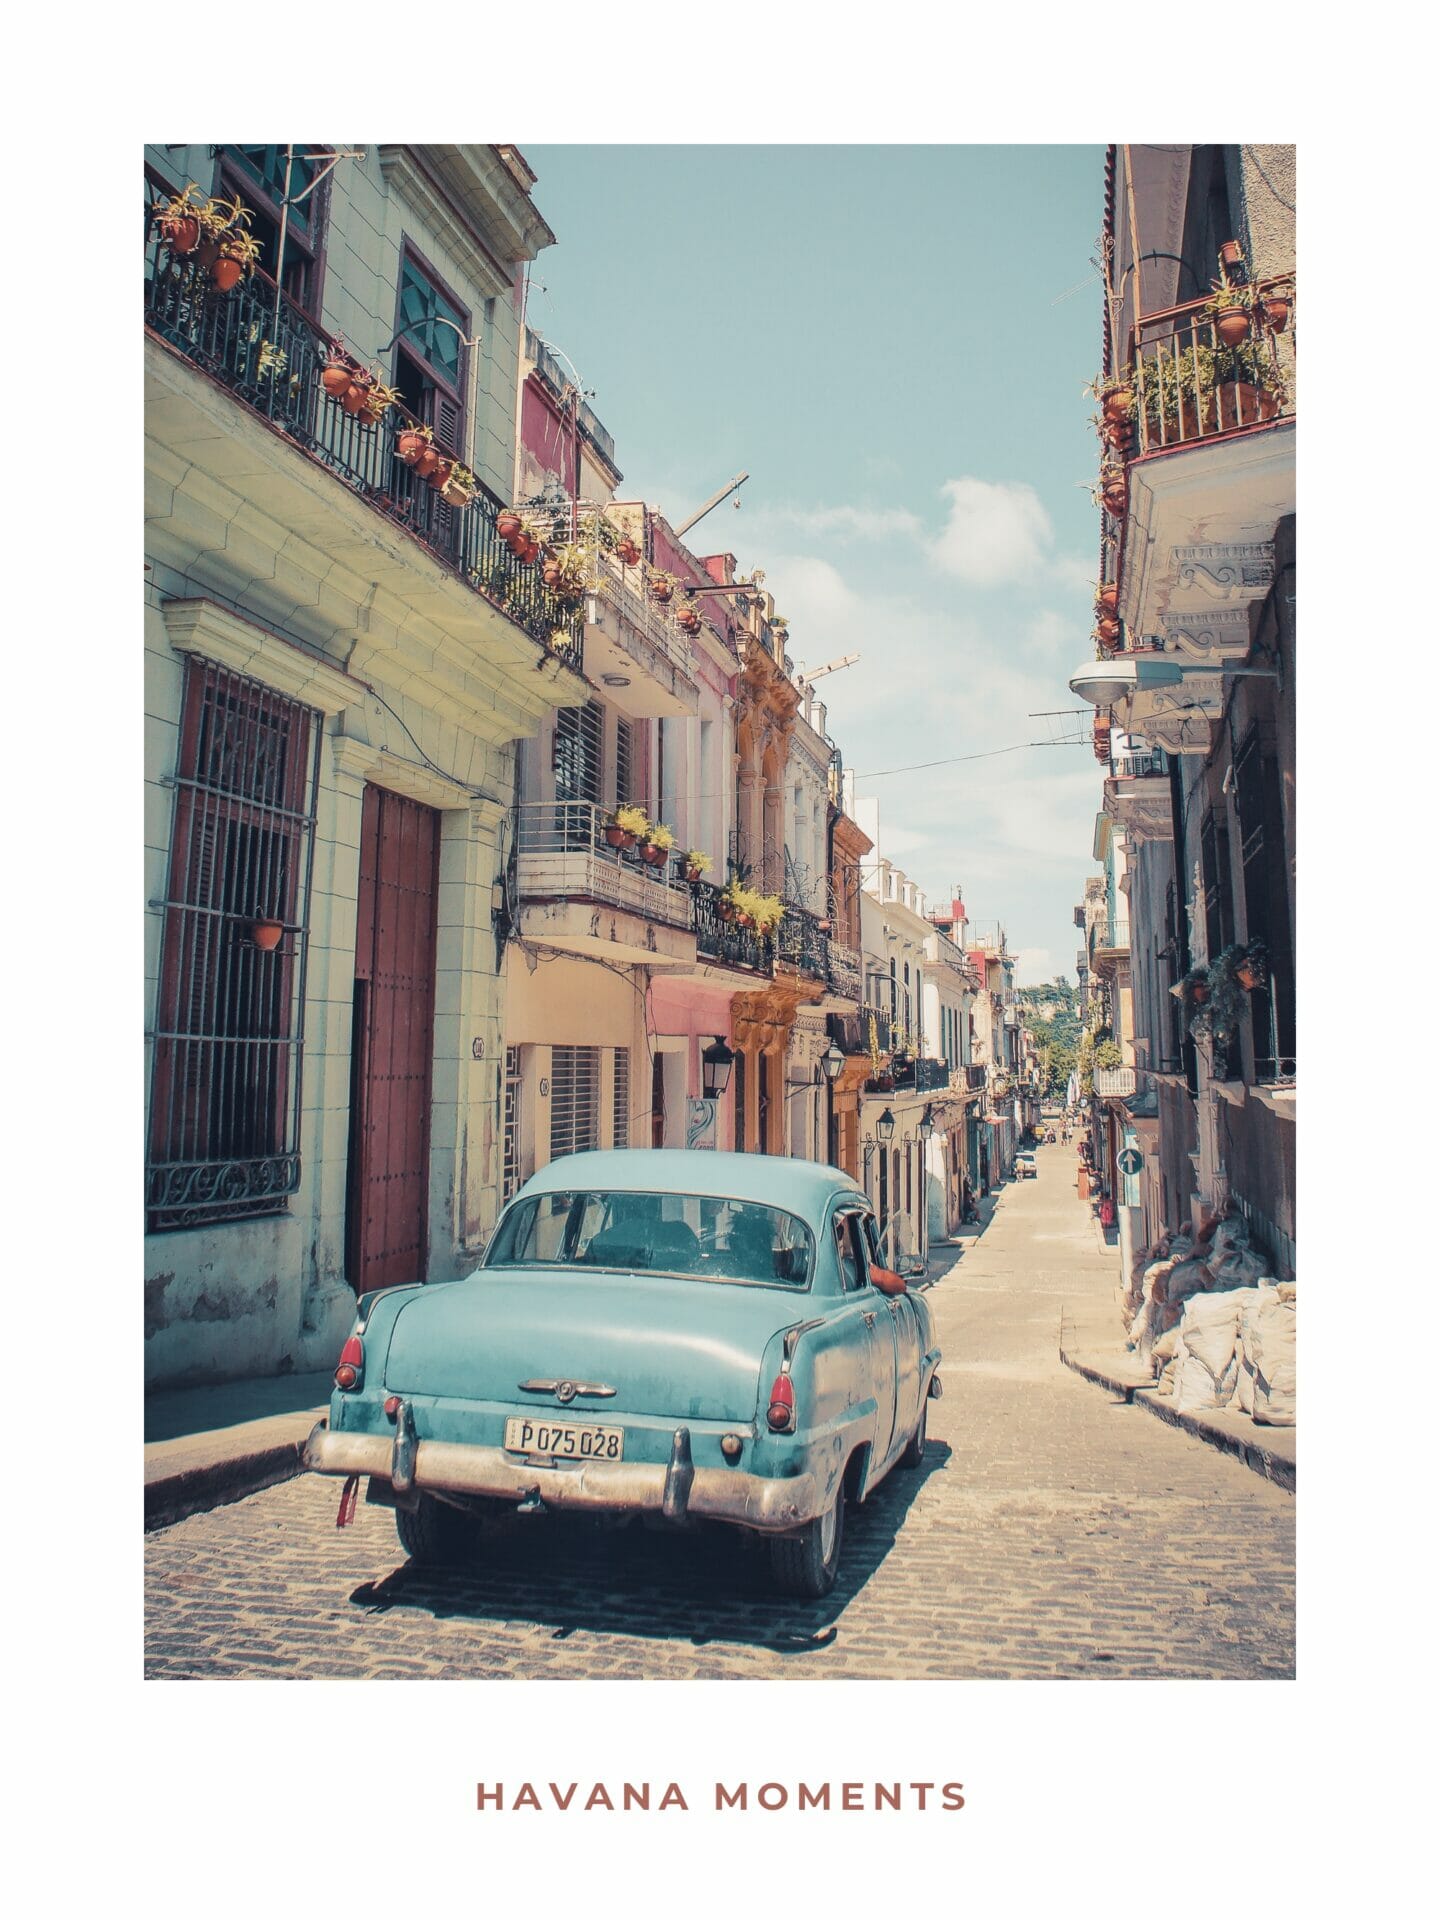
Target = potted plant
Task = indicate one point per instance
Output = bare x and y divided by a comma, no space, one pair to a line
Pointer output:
1107,598
767,910
238,255
688,620
1108,630
459,487
1275,311
412,442
508,524
655,845
567,570
377,402
1230,309
732,902
695,864
628,551
267,934
626,825
180,219
662,587
1111,491
1115,393
1252,968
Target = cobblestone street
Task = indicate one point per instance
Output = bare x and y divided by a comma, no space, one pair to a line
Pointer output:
1053,1532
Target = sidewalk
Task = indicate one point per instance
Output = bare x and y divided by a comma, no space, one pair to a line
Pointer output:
206,1446
1092,1344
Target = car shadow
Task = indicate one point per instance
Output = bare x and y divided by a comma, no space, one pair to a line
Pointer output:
707,1583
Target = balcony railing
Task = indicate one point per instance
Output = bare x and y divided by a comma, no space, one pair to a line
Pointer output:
843,969
724,941
271,357
1277,1071
1114,1083
801,943
1191,386
1114,938
563,853
1140,766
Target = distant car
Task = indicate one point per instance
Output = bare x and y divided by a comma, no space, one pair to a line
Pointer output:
1025,1166
688,1335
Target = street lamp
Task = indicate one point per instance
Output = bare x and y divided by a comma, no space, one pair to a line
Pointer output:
715,1064
831,1063
926,1128
885,1127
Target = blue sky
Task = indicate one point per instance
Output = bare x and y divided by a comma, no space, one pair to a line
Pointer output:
893,342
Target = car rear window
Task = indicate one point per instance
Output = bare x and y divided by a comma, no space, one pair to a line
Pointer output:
694,1236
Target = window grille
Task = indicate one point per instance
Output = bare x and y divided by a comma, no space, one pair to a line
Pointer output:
624,762
620,1109
510,1176
574,1100
225,1082
578,752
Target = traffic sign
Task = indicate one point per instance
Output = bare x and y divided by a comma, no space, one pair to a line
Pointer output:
1130,1160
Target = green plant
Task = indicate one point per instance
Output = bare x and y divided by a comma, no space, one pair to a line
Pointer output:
632,819
697,861
1108,1054
1226,1003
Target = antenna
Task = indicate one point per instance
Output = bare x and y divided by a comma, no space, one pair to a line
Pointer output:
713,501
831,666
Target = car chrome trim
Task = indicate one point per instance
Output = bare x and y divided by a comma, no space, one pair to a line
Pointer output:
567,1390
792,1337
715,1493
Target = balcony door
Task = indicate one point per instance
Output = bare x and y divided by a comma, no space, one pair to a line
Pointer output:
393,1022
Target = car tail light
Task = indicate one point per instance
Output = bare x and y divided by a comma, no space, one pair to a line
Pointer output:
781,1412
351,1370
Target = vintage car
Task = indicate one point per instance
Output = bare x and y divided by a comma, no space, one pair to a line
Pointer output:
1025,1166
685,1335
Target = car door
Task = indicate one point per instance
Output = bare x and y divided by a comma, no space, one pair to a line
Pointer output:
875,1349
907,1347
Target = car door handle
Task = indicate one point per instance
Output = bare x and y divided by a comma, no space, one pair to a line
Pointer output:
868,1318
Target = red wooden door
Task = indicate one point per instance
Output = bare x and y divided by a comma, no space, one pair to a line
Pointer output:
393,1040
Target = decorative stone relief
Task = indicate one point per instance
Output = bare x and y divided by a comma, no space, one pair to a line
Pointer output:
1238,570
1210,632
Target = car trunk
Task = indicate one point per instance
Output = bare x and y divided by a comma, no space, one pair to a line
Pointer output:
681,1349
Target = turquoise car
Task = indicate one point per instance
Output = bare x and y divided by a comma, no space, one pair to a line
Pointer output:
685,1335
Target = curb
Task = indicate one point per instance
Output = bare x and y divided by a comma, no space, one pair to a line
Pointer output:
177,1496
1254,1453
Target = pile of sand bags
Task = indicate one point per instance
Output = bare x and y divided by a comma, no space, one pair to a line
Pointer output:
1214,1328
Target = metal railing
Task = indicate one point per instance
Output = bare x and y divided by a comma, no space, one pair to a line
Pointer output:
843,969
1276,1071
563,851
1114,1083
270,356
1190,385
1140,766
801,943
725,941
1114,938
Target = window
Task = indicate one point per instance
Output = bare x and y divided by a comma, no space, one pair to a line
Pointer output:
620,1099
429,359
225,1086
739,1084
257,175
694,1236
574,1100
511,1173
851,1276
577,754
624,762
1267,897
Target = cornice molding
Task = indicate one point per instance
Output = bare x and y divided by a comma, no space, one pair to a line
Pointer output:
407,178
377,766
200,626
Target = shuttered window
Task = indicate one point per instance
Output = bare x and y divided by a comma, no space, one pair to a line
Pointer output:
578,738
624,762
224,1130
620,1110
574,1100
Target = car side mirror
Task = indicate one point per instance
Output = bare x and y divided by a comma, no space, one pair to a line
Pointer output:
884,1281
913,1269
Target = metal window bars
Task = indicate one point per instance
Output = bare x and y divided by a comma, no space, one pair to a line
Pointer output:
227,1042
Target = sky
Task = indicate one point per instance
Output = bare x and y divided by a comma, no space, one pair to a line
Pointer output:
893,342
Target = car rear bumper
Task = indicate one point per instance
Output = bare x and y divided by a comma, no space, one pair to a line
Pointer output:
678,1490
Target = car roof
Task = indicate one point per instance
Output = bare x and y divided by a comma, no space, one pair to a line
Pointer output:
802,1186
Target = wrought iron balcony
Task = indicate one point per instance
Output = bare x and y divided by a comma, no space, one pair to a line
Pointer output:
270,356
562,853
1140,766
725,941
1190,385
801,943
1277,1071
843,969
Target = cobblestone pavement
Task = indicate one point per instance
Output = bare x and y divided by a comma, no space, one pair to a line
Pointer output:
1052,1533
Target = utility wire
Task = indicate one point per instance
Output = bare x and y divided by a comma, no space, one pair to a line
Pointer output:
923,766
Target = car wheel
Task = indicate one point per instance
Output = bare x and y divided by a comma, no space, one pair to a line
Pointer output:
914,1453
433,1534
806,1562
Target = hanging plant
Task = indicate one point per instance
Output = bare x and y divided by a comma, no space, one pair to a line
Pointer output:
1224,1004
1229,310
626,825
412,443
239,254
655,845
688,620
1275,311
1107,598
1252,969
459,486
628,551
662,587
695,864
180,219
1108,631
508,523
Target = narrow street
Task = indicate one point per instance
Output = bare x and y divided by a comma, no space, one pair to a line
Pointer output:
1052,1533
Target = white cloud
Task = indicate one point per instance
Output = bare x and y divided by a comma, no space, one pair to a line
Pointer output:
856,523
997,531
1034,967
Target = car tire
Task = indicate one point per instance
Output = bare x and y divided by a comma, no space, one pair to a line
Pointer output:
434,1534
806,1563
914,1454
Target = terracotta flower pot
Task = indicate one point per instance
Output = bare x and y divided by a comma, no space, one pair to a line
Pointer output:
181,232
694,875
725,909
443,469
745,919
507,524
226,274
336,378
426,463
1250,977
550,573
1118,402
1108,629
1113,499
654,856
1108,599
530,551
629,553
1230,254
1276,311
1232,324
208,251
411,444
617,836
267,934
356,396
662,591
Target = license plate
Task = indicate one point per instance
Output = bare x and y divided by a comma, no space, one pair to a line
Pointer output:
563,1440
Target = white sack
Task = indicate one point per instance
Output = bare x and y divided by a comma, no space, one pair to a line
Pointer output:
1267,1354
1209,1346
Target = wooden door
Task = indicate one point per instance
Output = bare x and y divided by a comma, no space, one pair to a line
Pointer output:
393,1025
